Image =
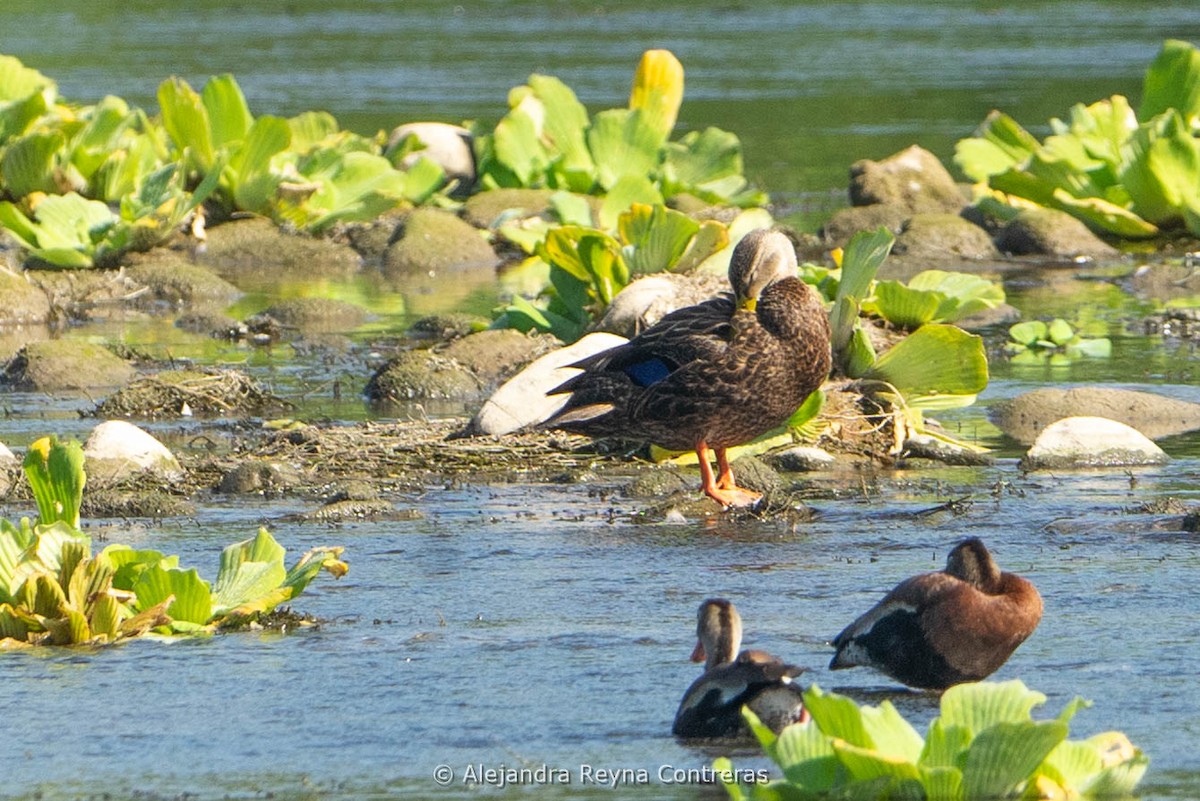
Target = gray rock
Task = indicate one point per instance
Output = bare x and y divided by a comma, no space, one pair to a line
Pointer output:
1153,415
498,353
243,250
753,473
318,314
448,146
63,364
924,446
913,179
933,236
171,280
1082,442
647,300
487,209
803,459
260,478
21,303
116,449
1050,232
436,241
845,223
522,400
422,375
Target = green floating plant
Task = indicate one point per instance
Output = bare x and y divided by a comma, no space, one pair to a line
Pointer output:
936,366
984,745
55,591
1131,175
548,139
1056,342
589,266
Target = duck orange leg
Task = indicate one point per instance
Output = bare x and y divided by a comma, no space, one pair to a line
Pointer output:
724,491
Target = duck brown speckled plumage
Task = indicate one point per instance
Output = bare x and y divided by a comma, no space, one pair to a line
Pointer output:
712,706
714,375
939,629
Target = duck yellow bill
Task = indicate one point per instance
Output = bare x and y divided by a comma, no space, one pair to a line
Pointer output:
749,304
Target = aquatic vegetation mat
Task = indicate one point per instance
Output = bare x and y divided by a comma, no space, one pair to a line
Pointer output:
984,745
55,591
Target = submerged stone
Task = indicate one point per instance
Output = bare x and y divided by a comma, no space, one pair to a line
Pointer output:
496,354
318,314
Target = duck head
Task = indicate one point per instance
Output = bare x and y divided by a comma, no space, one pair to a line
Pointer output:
718,633
972,562
760,259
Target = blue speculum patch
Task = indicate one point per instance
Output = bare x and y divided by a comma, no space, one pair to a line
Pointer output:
649,372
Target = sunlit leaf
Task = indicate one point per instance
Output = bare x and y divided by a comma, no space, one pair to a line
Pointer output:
935,359
1173,82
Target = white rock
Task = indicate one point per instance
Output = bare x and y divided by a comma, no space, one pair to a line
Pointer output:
522,400
6,455
116,449
447,145
1090,442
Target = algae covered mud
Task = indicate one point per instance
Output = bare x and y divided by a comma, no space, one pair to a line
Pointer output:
513,621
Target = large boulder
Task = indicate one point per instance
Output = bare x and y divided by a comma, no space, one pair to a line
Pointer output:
21,303
522,401
1082,442
250,250
486,209
941,235
436,241
1050,232
63,364
1155,416
913,179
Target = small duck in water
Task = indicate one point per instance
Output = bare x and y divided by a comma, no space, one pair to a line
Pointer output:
712,706
939,629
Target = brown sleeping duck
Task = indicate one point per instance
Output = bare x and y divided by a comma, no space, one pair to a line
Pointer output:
940,629
713,375
712,706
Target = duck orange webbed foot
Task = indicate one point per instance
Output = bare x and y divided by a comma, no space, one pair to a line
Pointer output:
733,497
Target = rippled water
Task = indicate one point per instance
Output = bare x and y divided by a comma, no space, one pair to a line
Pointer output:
521,626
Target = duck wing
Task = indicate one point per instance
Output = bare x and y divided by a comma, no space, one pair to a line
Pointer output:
894,636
